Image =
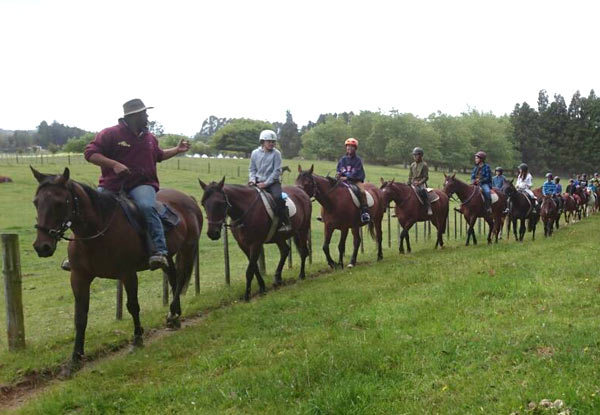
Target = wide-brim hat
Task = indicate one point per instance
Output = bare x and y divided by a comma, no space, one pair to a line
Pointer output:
134,106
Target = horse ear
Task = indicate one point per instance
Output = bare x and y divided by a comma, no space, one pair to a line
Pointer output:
393,179
202,184
299,168
312,168
445,176
381,180
454,175
38,176
221,183
64,178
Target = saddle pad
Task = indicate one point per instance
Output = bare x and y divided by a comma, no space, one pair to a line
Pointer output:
431,195
267,199
370,200
494,197
168,217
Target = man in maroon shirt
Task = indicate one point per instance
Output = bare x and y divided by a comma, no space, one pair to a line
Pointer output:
127,154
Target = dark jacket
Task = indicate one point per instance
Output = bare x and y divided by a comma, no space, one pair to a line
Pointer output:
352,168
484,173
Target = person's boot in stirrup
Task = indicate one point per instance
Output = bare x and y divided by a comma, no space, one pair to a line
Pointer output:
426,203
284,216
364,214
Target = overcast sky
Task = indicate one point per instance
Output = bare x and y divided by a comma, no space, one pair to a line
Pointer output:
76,62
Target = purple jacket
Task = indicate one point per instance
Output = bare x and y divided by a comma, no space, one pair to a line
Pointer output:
139,153
352,168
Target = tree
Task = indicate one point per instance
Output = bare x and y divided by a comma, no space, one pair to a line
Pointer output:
326,140
240,135
210,126
77,145
455,141
289,137
156,128
525,123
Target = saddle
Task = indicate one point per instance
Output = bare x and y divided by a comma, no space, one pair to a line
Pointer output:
493,196
168,218
355,193
269,204
432,196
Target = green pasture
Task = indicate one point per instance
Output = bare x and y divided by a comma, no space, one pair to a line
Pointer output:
464,330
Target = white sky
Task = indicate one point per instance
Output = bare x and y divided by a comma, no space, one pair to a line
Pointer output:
78,61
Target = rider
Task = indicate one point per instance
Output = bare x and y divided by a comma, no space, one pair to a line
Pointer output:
127,154
549,188
498,179
524,184
418,176
350,168
265,173
482,176
584,181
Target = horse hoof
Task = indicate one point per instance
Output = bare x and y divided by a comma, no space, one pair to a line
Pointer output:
173,322
351,265
137,343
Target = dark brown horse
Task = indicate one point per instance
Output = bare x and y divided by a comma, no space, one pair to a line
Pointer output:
410,210
549,214
339,212
251,223
569,207
472,206
105,245
521,209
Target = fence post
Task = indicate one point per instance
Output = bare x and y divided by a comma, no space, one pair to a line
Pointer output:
197,270
362,241
226,254
238,171
479,226
69,159
119,313
310,246
429,229
208,171
455,227
13,291
177,164
290,254
165,287
389,218
461,228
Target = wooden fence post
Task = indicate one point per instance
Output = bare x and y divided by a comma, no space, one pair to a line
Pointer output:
290,264
226,255
310,246
13,291
389,218
119,312
362,241
165,289
197,270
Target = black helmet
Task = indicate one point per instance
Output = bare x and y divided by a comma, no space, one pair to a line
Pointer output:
523,166
500,169
417,150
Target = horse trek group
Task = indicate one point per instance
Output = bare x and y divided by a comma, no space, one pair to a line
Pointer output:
127,224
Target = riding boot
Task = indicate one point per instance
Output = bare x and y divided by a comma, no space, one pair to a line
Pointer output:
284,216
364,214
426,203
534,209
487,205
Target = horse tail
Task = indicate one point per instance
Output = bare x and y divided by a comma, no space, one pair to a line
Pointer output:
372,230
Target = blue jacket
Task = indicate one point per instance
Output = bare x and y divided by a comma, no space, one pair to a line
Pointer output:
498,181
352,168
558,188
485,175
548,188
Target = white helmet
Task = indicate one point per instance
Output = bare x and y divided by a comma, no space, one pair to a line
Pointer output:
267,135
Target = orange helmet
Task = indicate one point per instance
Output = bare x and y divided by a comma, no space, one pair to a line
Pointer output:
351,142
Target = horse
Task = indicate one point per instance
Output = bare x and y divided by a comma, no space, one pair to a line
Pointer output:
549,214
339,212
251,224
569,207
410,210
105,245
581,199
591,202
521,208
472,206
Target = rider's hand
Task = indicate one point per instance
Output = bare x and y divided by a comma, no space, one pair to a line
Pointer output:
183,146
261,185
252,183
120,169
343,178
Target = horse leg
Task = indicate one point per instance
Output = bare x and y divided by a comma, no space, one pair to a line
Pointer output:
401,245
379,237
301,241
284,250
80,286
326,242
342,246
183,271
356,237
252,253
130,281
490,223
522,229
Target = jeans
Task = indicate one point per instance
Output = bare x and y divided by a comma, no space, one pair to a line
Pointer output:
486,193
145,199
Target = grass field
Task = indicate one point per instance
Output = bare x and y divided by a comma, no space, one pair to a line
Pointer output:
464,330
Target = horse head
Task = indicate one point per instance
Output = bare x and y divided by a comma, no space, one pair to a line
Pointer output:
450,184
53,202
216,205
306,181
509,188
386,189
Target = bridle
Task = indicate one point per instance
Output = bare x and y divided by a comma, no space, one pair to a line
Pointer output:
236,222
74,213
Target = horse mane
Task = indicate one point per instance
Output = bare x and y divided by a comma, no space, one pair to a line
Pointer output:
103,201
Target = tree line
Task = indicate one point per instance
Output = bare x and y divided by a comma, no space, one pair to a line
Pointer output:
552,136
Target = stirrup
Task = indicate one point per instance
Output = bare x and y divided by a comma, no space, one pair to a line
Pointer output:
365,217
66,265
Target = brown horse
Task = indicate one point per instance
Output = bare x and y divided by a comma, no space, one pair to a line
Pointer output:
410,210
251,223
472,206
339,212
569,207
549,214
105,245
